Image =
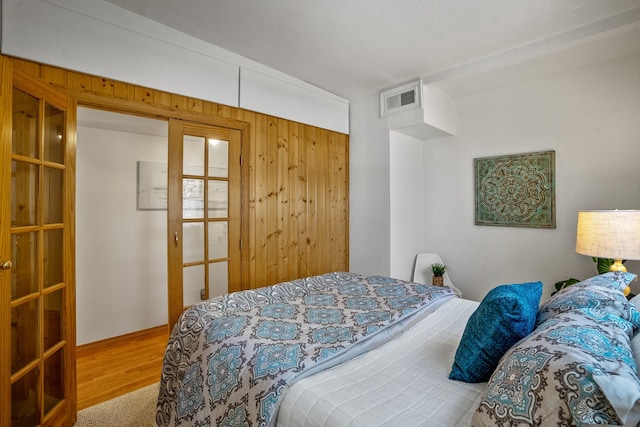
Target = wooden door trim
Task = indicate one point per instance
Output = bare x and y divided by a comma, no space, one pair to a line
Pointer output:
174,223
6,88
145,109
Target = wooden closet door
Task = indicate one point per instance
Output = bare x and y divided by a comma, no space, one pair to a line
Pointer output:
37,328
204,214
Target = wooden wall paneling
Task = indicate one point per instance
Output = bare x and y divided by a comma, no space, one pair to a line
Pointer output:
162,98
248,174
296,181
344,198
293,214
335,217
324,200
53,75
78,81
122,90
195,105
302,210
179,102
341,228
259,193
312,209
144,94
102,86
282,197
273,257
31,68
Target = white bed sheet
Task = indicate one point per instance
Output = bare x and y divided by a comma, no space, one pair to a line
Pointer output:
404,382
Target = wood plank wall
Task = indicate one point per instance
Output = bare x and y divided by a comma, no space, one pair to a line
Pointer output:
298,180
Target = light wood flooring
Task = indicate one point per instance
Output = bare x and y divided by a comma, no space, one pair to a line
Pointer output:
116,366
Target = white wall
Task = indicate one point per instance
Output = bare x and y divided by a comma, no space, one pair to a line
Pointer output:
121,256
589,116
89,36
369,190
407,203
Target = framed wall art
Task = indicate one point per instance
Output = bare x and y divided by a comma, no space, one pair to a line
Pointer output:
516,190
152,186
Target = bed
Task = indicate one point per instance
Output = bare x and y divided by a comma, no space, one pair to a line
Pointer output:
343,349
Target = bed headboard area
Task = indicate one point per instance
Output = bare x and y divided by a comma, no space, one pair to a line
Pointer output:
576,367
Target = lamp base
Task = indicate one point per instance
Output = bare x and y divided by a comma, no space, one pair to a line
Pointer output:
619,266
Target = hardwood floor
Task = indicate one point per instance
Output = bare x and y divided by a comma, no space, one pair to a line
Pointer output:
116,366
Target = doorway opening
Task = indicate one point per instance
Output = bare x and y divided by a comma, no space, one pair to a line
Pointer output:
121,274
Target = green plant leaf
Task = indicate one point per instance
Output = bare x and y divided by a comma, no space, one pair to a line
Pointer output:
438,269
564,283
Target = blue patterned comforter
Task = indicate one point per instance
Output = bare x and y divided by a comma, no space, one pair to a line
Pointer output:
230,359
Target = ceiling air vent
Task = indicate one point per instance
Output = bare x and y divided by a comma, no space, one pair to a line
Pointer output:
401,98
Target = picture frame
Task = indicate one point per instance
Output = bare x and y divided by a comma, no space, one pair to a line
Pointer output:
516,190
152,186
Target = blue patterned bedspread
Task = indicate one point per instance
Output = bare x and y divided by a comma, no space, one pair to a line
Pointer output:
230,359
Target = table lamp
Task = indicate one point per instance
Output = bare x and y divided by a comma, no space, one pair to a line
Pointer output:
613,234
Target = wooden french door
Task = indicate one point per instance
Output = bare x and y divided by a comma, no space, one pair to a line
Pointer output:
37,326
204,212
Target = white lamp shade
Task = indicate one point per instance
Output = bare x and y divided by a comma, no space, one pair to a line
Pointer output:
611,234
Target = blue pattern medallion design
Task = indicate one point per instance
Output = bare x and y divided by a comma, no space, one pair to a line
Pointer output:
380,280
371,317
353,289
279,311
320,299
361,303
191,395
276,330
324,316
521,373
235,417
226,326
331,335
270,359
391,290
403,301
223,371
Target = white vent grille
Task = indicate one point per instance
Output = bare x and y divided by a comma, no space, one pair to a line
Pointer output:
401,98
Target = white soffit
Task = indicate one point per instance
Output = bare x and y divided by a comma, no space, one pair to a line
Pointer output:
265,94
356,48
81,36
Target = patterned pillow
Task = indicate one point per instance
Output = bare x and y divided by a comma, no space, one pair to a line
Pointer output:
595,299
576,368
613,279
505,315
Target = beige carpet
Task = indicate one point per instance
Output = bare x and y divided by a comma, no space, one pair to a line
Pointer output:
135,409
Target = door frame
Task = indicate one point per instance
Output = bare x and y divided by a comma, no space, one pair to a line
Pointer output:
151,111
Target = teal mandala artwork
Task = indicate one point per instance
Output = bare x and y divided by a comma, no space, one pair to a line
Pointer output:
516,190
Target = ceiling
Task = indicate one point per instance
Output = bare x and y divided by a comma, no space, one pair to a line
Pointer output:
355,48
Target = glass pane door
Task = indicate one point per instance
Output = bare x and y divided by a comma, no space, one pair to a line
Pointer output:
206,219
39,347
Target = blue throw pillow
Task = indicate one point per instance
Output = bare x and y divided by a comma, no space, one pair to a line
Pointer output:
505,316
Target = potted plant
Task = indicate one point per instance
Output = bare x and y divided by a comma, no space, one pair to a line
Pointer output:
438,271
